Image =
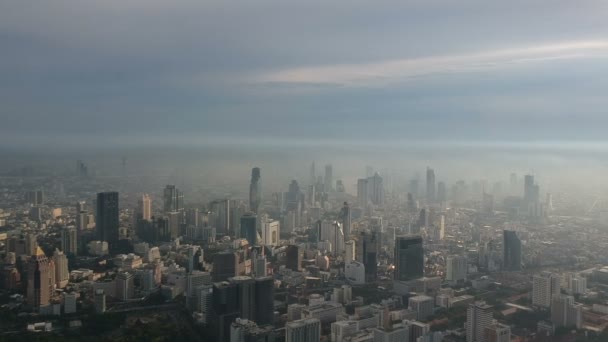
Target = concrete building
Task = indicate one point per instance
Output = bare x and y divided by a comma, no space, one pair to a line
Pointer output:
422,305
304,330
479,317
544,287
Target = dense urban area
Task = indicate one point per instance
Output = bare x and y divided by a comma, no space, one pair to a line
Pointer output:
115,258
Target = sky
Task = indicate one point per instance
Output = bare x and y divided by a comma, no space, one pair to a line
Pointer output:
313,73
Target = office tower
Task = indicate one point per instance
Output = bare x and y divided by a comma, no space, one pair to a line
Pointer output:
82,215
100,301
422,305
329,178
578,285
294,196
565,313
270,232
36,213
245,296
442,193
62,274
70,302
35,198
456,268
225,265
303,330
39,287
332,231
193,218
31,244
173,199
479,317
161,229
125,286
69,240
345,219
430,185
544,287
362,194
293,258
349,252
81,169
249,228
367,249
174,224
375,190
107,222
204,301
511,251
264,301
497,333
220,219
259,266
255,190
144,207
226,307
391,335
194,281
528,189
409,257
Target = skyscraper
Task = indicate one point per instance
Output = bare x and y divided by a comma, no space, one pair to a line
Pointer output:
367,249
144,207
456,268
173,199
62,274
430,185
442,193
345,219
362,194
565,313
329,178
270,232
264,301
69,240
255,190
409,257
375,189
479,317
293,257
512,251
249,228
545,286
107,222
304,330
38,280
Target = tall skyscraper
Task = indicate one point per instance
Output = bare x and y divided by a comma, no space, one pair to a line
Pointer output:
375,189
362,194
329,178
249,228
512,251
409,257
479,317
430,185
304,330
173,199
565,313
264,301
545,286
442,192
255,190
144,207
368,246
270,232
62,274
38,280
293,258
345,219
221,215
528,188
69,240
107,222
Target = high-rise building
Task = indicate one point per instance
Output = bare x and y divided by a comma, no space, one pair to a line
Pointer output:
293,258
62,274
362,194
221,215
69,241
345,219
565,313
255,190
391,335
442,193
35,198
497,333
422,305
225,265
349,252
260,266
249,228
125,286
70,302
332,231
456,268
528,188
144,207
270,232
303,330
245,296
39,285
545,286
107,222
174,224
82,216
173,199
375,190
512,251
479,317
368,246
100,301
264,301
329,178
430,185
409,257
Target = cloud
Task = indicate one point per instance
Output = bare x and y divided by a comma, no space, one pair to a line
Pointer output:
383,72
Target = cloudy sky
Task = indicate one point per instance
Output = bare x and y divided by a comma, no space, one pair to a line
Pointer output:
188,72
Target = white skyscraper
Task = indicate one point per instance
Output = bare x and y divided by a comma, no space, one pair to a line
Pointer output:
456,268
62,274
349,252
479,317
270,232
144,207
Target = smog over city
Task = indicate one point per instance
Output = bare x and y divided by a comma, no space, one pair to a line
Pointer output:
417,171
